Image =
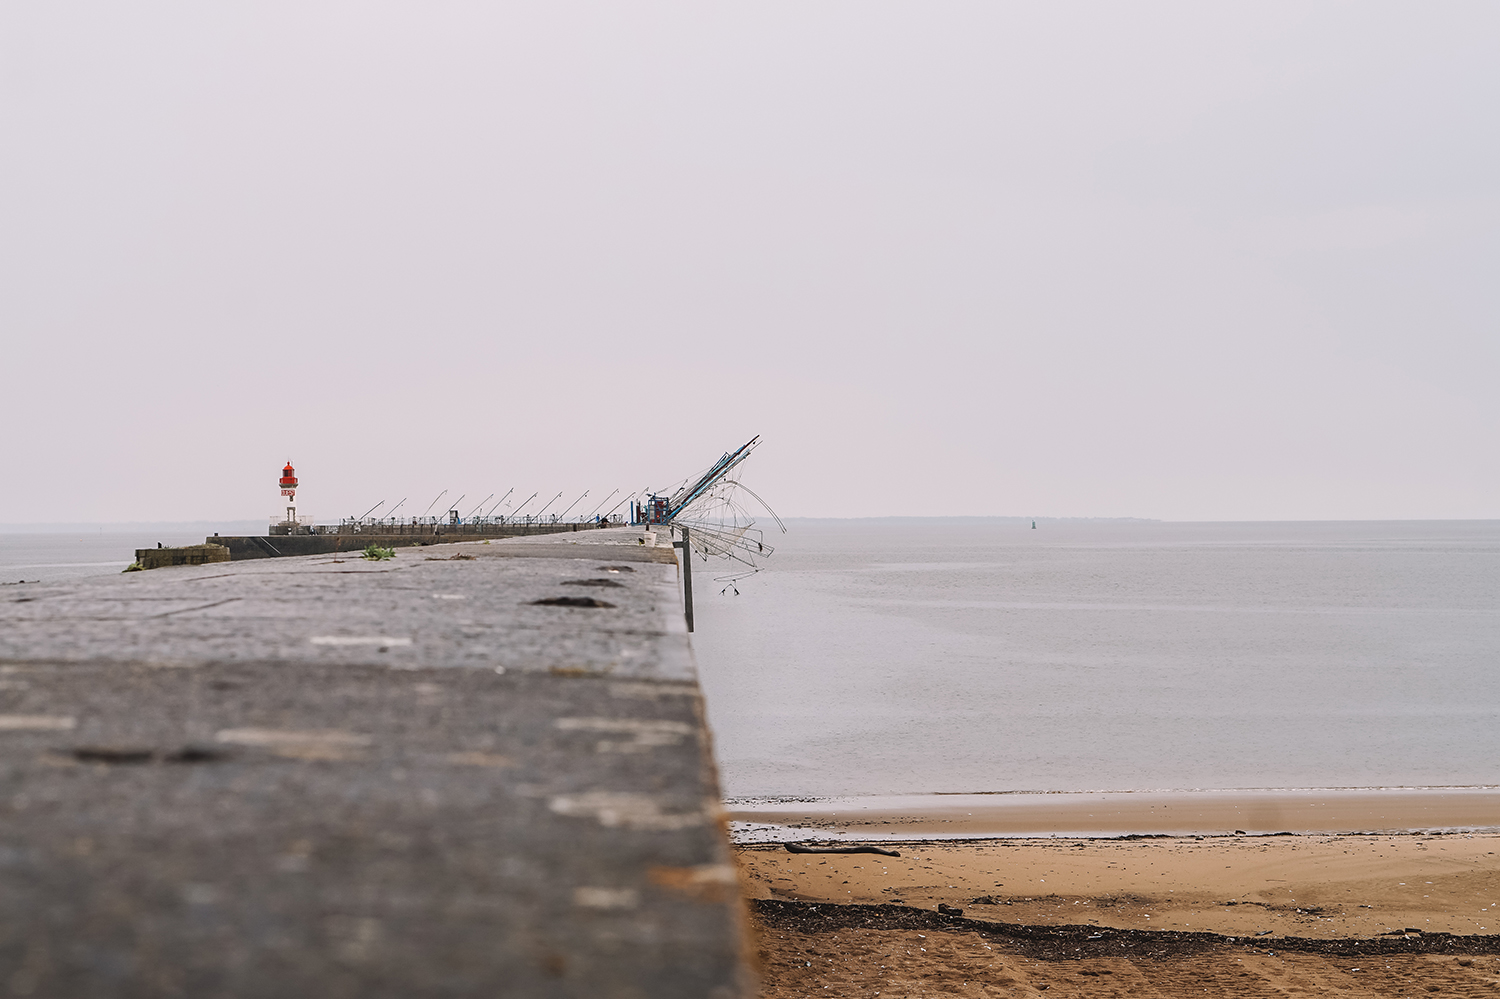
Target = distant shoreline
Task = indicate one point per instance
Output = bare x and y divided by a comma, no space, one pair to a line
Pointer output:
204,527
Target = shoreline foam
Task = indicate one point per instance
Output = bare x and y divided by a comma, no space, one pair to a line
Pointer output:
1109,814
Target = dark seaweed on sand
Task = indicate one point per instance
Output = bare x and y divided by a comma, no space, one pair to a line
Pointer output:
1064,943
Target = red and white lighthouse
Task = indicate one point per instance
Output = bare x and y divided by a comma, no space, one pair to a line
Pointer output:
289,490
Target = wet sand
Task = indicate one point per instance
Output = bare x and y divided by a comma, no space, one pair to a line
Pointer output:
1235,915
1324,886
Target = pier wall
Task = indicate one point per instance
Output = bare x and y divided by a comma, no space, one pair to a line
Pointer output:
156,558
469,770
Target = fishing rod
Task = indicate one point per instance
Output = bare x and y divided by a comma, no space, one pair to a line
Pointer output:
549,503
590,514
492,509
617,505
572,505
708,479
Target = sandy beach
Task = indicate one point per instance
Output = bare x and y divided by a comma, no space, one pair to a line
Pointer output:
1236,915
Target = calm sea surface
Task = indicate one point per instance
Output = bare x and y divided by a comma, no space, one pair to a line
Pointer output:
53,554
57,557
910,656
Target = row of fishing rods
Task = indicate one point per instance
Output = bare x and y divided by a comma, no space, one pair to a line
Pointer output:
686,495
489,515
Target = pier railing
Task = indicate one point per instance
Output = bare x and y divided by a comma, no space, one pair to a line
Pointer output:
441,525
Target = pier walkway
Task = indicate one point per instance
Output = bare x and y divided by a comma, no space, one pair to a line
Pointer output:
474,769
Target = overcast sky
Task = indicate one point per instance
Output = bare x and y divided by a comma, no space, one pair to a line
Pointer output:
1186,261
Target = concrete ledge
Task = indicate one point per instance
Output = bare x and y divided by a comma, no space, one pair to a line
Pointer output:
329,777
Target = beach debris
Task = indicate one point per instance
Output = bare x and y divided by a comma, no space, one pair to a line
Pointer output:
810,848
591,582
949,910
983,900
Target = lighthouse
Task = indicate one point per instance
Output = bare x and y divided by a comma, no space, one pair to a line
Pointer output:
289,490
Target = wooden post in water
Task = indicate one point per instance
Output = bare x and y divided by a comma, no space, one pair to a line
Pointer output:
687,577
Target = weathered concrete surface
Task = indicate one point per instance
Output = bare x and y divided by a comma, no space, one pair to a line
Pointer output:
310,777
278,545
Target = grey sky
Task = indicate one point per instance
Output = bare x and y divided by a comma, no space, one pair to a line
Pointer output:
1213,261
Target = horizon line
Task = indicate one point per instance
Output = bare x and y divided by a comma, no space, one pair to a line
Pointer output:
63,526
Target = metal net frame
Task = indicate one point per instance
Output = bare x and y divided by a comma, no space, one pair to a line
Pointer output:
713,507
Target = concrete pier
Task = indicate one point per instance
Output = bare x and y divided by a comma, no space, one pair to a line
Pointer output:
475,769
327,542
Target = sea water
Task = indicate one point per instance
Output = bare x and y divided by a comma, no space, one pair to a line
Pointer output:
57,556
917,656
